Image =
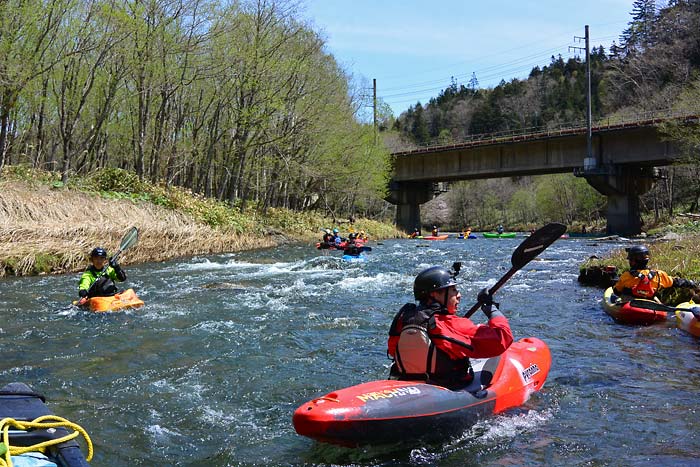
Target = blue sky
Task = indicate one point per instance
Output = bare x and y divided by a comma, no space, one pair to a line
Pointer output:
414,48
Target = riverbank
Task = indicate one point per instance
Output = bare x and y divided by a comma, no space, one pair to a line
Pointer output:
46,227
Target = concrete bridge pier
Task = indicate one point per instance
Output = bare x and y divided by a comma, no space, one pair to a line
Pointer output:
408,196
623,185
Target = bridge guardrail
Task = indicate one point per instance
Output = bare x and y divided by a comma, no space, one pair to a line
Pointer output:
608,123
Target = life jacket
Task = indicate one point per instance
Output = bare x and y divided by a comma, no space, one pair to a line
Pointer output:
102,285
352,250
644,288
416,357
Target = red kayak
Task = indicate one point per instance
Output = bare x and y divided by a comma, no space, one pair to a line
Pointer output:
624,313
436,237
387,411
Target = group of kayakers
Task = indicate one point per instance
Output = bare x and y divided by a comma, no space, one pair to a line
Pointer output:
428,340
351,245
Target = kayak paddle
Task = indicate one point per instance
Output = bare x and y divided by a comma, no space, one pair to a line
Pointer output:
533,245
651,305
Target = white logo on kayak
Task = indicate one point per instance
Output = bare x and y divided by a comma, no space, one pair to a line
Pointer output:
389,393
528,250
530,371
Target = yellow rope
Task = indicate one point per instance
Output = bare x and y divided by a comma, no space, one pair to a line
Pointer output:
43,422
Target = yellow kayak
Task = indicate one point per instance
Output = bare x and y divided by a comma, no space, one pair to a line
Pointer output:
686,321
120,301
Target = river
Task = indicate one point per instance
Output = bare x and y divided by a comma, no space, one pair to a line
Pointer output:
209,372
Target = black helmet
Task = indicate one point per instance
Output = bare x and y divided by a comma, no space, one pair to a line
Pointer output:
98,252
352,236
434,278
638,252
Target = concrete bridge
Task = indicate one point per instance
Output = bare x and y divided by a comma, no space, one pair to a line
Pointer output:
625,155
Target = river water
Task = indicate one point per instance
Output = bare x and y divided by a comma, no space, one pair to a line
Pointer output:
209,372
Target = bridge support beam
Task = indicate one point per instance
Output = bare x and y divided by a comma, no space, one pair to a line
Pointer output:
622,185
408,196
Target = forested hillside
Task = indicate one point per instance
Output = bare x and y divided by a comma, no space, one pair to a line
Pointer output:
658,57
654,67
234,100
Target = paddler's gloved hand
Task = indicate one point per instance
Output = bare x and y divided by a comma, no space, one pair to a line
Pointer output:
82,293
683,283
113,263
488,306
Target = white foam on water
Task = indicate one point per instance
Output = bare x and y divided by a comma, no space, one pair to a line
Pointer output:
508,426
161,434
501,427
215,327
372,283
18,370
218,417
205,264
163,384
70,312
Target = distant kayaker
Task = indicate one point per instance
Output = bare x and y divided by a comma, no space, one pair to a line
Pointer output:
435,231
328,237
642,282
351,246
430,342
99,278
415,233
499,229
337,239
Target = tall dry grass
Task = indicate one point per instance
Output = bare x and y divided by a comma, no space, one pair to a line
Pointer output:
48,230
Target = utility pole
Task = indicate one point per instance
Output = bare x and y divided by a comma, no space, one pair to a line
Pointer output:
589,162
374,104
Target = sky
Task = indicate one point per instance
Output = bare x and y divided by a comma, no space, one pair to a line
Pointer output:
415,48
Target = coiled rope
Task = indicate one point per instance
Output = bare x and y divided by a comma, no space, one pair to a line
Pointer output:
43,422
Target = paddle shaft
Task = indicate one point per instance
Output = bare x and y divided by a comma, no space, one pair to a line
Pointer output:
493,289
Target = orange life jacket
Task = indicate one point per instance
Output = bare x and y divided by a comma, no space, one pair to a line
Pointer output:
644,288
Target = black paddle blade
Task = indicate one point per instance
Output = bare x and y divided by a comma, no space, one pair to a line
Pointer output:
536,243
651,305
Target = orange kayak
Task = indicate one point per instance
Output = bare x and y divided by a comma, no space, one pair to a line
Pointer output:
120,301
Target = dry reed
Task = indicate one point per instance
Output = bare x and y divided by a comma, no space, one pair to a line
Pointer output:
64,226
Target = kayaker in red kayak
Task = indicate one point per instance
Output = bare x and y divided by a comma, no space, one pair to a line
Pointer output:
430,342
642,282
99,278
435,231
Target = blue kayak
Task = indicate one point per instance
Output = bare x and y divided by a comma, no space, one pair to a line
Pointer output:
354,259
